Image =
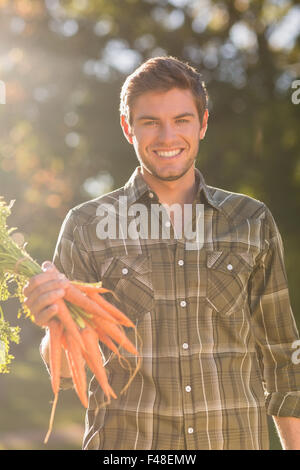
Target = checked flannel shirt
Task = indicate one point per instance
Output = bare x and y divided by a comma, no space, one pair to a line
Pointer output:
217,329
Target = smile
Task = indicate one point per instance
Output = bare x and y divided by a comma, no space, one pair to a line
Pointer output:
169,153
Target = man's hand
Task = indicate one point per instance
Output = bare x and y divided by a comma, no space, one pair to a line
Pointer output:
42,291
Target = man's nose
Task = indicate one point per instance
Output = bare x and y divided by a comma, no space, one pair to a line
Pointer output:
167,134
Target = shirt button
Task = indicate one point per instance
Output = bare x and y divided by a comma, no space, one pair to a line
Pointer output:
229,267
124,271
190,430
181,262
185,346
188,388
183,303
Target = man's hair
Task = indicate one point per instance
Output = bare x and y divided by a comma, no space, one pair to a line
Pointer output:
162,74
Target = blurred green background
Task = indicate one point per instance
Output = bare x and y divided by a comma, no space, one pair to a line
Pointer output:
63,64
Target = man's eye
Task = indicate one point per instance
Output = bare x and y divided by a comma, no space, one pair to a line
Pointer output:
150,123
182,121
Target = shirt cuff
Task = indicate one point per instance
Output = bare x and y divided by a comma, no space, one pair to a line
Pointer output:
283,404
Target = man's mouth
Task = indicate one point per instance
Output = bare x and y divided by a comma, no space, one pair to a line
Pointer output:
169,153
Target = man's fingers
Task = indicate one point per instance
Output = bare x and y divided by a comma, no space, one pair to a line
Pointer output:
43,302
39,279
44,288
45,315
48,266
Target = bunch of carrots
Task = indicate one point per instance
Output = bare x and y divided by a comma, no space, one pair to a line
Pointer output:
83,318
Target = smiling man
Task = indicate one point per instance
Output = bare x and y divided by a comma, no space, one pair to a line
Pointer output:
217,329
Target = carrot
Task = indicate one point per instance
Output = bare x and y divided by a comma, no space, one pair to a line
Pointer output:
105,339
114,311
94,359
77,297
55,332
112,346
51,418
77,366
66,318
116,334
84,287
121,338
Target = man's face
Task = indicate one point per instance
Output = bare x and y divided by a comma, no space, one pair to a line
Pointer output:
165,132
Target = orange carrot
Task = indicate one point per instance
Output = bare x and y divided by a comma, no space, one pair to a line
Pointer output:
112,310
66,318
77,366
51,419
94,359
77,297
84,287
55,334
112,346
115,332
107,341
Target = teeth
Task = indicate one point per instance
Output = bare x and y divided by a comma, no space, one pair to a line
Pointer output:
171,153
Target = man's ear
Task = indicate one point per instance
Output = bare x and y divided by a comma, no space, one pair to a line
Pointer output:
126,129
204,124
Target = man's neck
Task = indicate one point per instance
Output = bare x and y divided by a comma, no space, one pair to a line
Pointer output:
180,191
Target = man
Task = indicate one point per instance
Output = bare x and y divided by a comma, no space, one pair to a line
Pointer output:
207,288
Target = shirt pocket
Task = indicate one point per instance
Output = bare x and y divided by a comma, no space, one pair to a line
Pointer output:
129,277
228,273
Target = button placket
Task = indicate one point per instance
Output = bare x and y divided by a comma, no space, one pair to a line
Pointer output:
183,333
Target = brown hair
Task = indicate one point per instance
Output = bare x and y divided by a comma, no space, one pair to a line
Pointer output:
162,73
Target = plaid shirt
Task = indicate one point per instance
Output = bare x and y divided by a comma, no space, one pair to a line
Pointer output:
217,329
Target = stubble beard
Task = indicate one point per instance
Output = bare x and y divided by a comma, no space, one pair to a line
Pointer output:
171,178
151,169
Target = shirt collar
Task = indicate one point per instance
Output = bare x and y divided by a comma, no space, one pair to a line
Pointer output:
203,192
136,187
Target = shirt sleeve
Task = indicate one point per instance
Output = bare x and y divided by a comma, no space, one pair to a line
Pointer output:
274,326
71,256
